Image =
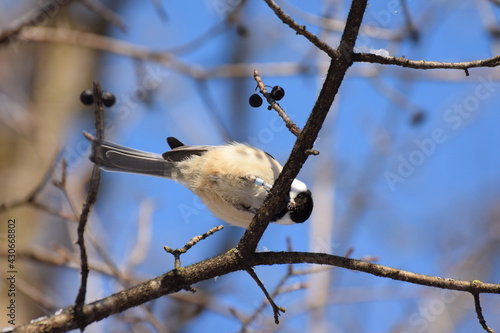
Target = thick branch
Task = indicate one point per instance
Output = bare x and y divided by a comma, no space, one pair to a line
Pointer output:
176,280
168,283
305,141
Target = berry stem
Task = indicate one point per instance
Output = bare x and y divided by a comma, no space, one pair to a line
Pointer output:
294,129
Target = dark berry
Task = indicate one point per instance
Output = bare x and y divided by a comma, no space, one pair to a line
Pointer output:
277,93
255,101
87,97
242,30
108,99
417,118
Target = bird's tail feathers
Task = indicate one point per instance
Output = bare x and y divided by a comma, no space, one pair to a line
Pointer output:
112,157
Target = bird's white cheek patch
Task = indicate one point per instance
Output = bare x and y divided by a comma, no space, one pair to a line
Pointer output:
296,188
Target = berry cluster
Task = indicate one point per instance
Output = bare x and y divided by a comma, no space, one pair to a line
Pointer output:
277,93
87,98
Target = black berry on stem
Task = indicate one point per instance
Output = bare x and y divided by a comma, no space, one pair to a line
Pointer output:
277,93
108,99
87,97
255,101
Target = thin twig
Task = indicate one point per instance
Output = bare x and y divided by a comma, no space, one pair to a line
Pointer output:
329,24
32,196
272,102
97,42
177,252
217,119
62,257
196,239
38,16
276,308
279,289
410,27
106,13
477,305
238,315
98,113
93,41
139,250
292,287
312,152
89,202
61,185
199,41
160,10
422,64
301,29
62,182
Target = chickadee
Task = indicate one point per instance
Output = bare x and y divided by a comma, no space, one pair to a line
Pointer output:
232,180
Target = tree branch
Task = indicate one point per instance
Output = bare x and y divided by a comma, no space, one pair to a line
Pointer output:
107,44
294,129
89,202
301,29
422,64
231,261
38,16
305,141
269,258
168,283
276,308
192,242
477,305
107,14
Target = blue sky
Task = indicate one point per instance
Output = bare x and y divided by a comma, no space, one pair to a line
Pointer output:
431,220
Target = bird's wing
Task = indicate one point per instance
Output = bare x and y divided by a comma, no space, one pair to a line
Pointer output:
183,152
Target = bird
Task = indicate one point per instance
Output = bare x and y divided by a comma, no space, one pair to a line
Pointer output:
232,180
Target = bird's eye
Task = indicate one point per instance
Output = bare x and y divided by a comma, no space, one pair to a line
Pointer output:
300,195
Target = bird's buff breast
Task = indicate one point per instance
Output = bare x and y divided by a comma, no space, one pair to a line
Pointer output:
221,178
224,210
